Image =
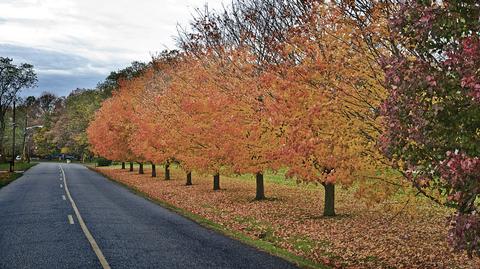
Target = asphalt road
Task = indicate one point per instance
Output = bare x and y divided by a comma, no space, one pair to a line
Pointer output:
131,232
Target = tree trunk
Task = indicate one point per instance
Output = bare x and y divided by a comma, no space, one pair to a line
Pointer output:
14,126
131,166
216,182
329,208
140,168
260,188
154,170
123,165
167,171
3,153
24,142
189,179
29,150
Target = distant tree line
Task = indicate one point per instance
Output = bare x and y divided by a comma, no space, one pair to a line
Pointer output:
64,120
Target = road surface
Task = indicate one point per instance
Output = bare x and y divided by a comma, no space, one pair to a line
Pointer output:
39,227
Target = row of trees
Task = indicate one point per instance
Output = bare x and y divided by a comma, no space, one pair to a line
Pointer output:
247,100
335,92
47,124
62,122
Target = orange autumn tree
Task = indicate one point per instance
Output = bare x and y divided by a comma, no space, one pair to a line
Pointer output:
243,41
107,133
167,116
154,135
128,96
111,131
112,126
205,122
324,103
256,143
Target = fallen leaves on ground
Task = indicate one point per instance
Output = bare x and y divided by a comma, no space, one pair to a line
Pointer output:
5,178
291,218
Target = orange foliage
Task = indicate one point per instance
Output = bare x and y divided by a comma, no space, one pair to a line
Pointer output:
109,132
311,113
322,103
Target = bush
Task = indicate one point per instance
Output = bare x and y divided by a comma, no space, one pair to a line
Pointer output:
103,162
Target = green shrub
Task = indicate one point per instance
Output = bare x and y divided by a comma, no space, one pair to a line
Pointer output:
103,162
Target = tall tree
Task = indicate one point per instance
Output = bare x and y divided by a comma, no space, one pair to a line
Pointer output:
46,111
70,127
27,105
207,120
111,129
324,99
13,78
154,136
111,82
242,41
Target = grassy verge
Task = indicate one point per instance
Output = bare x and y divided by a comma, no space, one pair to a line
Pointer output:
7,177
20,166
273,177
260,244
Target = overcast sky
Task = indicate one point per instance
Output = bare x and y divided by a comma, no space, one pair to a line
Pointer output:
76,43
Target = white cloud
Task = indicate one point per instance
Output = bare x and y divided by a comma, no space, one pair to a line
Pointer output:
98,36
108,30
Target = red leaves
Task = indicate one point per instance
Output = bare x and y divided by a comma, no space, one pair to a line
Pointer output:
464,233
433,106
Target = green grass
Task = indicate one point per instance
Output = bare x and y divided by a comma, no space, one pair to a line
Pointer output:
20,166
267,243
273,177
7,177
278,178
